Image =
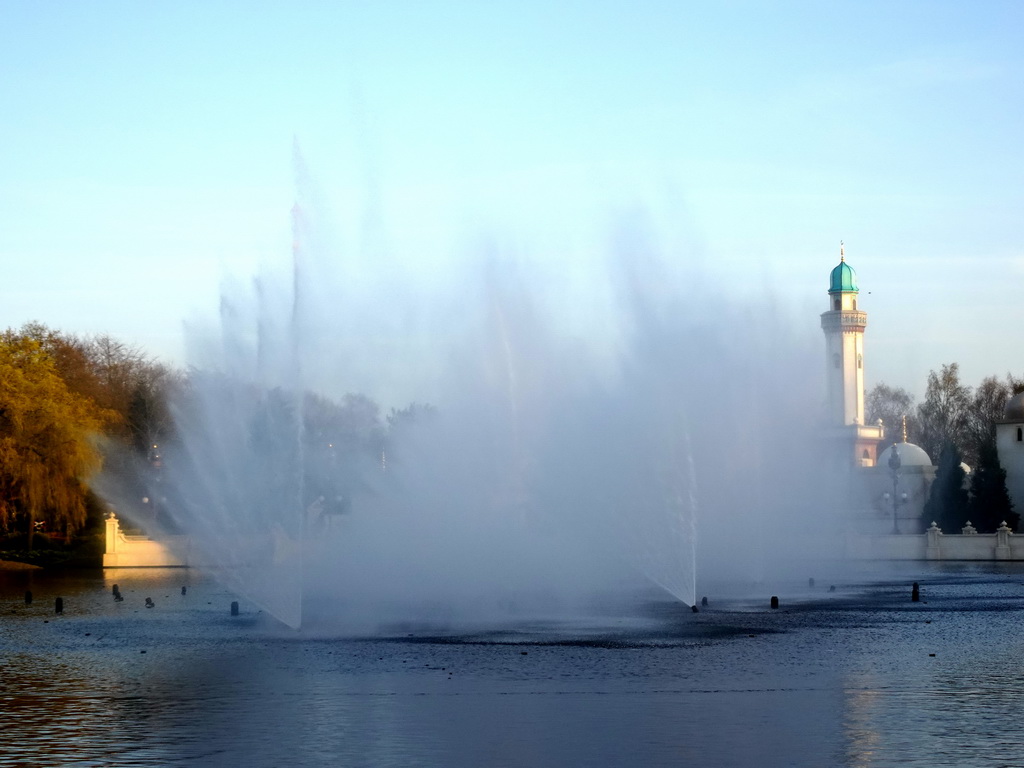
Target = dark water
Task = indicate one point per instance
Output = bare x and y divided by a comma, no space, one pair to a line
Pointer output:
858,677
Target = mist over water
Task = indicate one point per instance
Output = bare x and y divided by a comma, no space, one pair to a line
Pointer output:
558,461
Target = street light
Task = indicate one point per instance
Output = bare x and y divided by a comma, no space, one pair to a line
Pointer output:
894,468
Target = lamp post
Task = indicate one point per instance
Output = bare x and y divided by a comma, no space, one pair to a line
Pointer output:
156,464
894,468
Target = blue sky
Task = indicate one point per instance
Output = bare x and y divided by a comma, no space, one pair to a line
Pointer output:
146,152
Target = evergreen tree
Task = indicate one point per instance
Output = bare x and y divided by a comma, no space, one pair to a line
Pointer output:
990,503
947,502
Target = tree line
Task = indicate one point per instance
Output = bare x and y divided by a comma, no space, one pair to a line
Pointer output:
79,413
955,424
69,406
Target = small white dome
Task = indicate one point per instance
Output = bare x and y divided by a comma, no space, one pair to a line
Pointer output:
910,456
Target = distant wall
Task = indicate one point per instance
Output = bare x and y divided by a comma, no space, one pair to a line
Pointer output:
123,551
936,545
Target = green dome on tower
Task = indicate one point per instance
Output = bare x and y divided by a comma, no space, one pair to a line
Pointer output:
843,279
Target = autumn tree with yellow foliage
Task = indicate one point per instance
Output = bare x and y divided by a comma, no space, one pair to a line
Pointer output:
48,447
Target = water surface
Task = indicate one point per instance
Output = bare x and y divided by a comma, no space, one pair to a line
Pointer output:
856,677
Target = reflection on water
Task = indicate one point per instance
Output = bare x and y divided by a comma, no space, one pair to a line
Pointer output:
939,687
848,680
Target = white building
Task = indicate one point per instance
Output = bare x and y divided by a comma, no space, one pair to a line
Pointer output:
1010,445
844,324
879,499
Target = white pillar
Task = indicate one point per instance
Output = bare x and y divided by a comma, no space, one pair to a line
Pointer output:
113,531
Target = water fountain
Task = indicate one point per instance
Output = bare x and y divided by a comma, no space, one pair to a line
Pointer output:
548,466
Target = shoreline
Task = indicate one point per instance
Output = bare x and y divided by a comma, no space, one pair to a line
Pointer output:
15,565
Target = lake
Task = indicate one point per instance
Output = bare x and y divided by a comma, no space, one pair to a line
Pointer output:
860,676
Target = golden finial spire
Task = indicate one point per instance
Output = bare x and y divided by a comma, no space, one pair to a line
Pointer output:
842,251
904,428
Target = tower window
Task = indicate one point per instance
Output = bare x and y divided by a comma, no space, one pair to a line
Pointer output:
860,361
1020,435
866,454
854,303
836,304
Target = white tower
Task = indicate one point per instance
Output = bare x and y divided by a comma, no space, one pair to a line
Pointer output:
844,328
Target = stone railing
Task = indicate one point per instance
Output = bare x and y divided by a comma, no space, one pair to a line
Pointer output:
125,551
933,544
